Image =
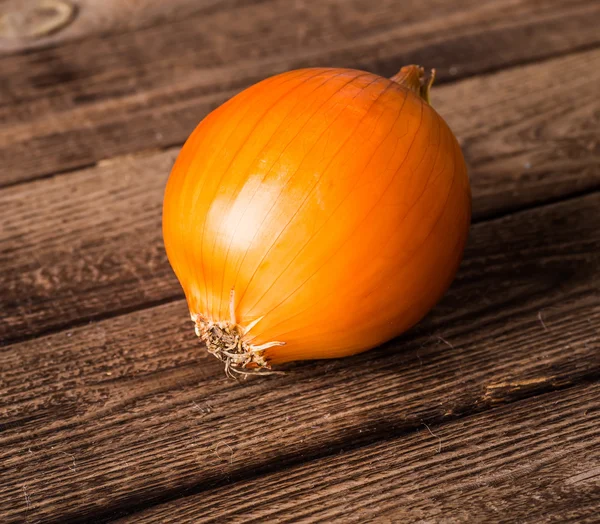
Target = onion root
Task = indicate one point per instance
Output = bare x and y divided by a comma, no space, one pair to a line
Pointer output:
228,342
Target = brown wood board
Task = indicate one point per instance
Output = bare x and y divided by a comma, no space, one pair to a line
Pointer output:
110,408
93,18
71,105
129,411
535,461
88,245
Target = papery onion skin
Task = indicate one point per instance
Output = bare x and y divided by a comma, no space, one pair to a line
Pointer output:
332,206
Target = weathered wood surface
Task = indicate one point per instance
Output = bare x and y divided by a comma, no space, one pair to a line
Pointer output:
28,25
107,418
535,461
88,245
109,406
71,105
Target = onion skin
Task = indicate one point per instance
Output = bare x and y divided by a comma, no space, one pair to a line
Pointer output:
326,209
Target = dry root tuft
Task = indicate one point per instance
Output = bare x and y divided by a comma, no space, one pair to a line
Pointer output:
225,340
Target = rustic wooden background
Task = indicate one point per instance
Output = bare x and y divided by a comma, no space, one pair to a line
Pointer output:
110,409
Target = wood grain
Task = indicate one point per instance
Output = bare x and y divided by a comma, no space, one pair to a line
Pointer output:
70,106
93,18
84,246
534,461
89,245
105,418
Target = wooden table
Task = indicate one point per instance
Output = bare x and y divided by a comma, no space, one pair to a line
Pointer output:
488,410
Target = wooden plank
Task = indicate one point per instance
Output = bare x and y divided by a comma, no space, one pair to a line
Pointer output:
74,248
535,461
529,138
104,416
25,26
70,106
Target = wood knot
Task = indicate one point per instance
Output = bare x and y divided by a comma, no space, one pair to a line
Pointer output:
29,19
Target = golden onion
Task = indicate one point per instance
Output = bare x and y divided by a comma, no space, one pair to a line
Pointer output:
315,215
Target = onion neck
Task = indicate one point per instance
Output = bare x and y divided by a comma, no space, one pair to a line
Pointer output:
414,78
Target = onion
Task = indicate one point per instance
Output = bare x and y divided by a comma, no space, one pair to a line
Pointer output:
315,215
